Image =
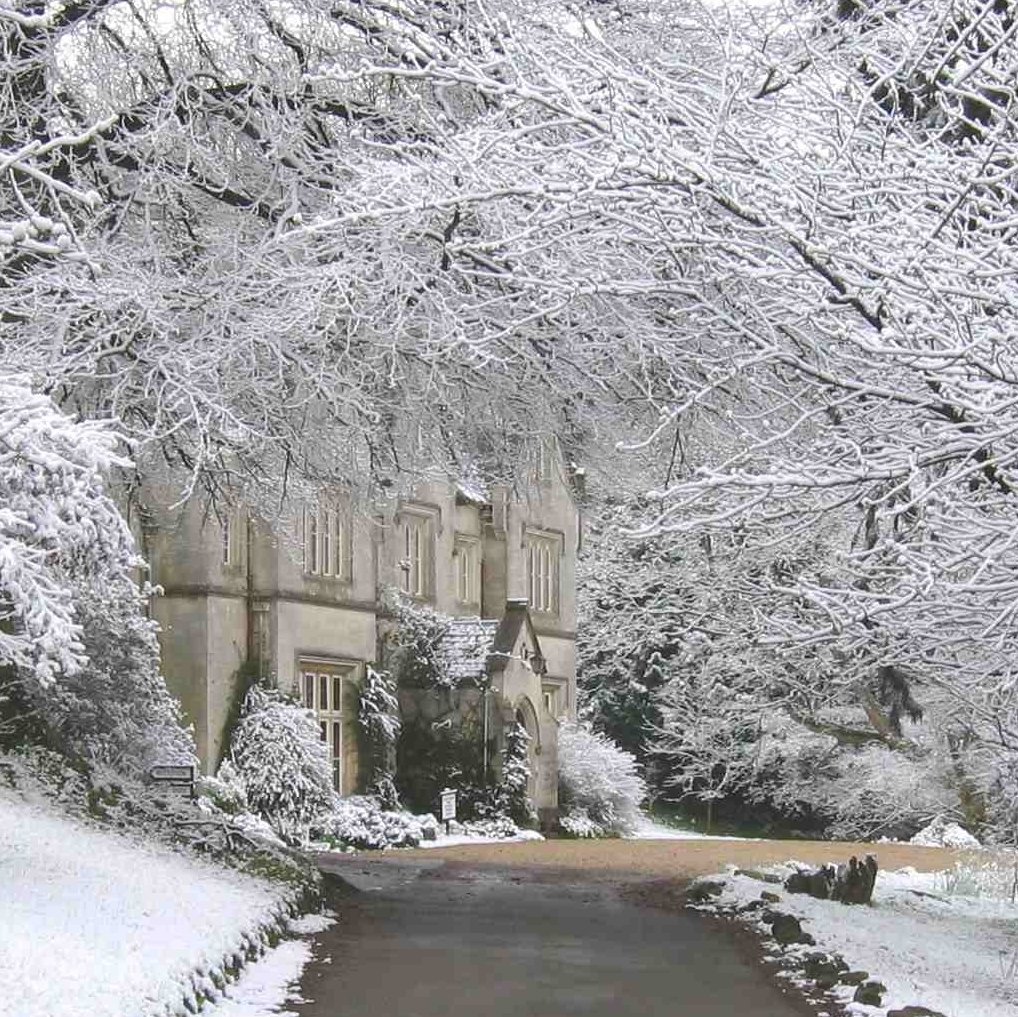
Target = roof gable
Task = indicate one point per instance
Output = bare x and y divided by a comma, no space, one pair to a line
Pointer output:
515,622
474,648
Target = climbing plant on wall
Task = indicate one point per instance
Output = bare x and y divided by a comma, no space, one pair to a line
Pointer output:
379,719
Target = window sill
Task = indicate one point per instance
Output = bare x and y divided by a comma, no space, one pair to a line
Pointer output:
551,615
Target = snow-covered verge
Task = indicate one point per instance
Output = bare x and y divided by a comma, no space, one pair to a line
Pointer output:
482,831
97,923
268,986
944,941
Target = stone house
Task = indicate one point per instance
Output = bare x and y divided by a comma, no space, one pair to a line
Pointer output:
301,602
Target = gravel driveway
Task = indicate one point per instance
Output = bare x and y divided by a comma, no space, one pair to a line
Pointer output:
683,859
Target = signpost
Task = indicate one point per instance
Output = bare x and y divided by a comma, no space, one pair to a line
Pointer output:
166,775
448,807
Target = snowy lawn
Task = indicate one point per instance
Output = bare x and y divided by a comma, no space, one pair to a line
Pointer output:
946,941
647,829
95,923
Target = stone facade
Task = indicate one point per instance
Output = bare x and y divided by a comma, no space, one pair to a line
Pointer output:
300,601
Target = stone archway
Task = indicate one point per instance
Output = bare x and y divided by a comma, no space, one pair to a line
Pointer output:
526,715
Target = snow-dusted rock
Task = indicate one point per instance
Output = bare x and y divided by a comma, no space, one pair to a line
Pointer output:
942,833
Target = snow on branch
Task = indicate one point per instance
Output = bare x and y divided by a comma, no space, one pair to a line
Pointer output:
56,522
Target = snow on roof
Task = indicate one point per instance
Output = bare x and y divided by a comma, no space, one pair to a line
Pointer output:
465,647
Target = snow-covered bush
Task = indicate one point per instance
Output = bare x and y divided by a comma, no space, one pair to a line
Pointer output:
498,827
225,791
883,791
992,877
279,755
577,823
600,789
944,833
76,650
360,821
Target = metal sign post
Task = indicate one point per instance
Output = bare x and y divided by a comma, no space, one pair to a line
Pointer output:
448,807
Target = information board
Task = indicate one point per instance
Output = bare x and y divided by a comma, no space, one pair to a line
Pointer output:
448,805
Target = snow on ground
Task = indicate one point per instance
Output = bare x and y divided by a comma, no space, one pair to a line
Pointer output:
649,830
95,923
453,839
265,988
929,944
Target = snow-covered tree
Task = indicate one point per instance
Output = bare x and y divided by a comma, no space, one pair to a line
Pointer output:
770,247
600,788
56,523
816,286
116,709
634,612
248,274
76,649
278,753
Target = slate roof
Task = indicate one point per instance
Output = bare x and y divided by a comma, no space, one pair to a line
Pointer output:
465,647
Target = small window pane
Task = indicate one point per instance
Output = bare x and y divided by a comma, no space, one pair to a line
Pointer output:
337,757
541,557
326,556
309,691
340,546
337,693
323,692
312,542
416,563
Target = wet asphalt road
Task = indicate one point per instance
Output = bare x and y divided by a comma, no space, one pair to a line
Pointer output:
422,940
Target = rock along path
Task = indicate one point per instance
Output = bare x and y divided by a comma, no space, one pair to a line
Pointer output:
420,936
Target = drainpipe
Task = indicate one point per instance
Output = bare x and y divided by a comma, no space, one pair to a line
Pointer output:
487,689
253,649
